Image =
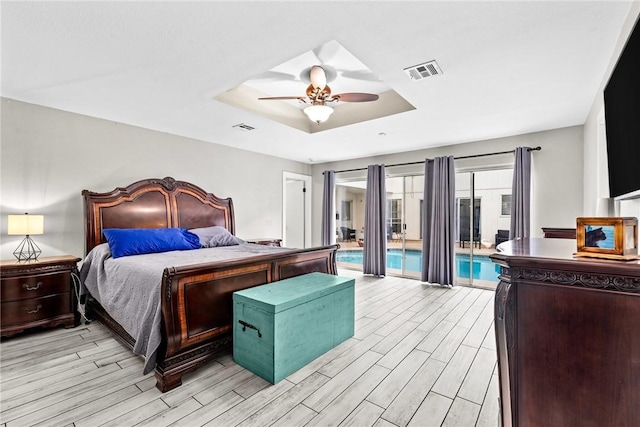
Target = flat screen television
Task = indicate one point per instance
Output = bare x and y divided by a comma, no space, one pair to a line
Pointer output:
622,121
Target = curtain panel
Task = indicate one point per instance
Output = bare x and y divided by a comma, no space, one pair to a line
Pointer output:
521,194
328,228
439,221
375,219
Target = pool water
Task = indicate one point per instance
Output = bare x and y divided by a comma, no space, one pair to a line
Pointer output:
483,267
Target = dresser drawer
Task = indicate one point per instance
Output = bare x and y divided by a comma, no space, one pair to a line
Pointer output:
31,310
17,288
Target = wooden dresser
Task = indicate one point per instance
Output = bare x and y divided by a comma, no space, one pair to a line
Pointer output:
568,336
38,293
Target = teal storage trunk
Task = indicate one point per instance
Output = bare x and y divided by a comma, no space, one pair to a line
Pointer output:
280,327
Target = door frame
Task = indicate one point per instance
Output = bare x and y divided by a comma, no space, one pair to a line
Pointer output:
291,176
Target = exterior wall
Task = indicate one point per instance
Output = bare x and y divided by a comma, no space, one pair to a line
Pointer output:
49,156
412,206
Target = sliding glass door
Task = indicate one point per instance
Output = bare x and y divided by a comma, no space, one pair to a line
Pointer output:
404,225
482,217
466,220
350,213
479,224
349,217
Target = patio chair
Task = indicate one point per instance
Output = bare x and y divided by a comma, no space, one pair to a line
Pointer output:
348,234
502,236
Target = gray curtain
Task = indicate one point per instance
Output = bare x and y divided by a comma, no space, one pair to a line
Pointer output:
329,209
438,225
375,219
521,194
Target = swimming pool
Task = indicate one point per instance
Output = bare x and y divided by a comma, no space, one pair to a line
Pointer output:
483,267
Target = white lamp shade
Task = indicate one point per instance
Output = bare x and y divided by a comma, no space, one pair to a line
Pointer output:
25,225
318,113
318,77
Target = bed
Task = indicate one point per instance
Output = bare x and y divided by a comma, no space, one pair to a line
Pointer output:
194,296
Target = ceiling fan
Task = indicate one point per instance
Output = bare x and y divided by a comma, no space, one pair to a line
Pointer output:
318,94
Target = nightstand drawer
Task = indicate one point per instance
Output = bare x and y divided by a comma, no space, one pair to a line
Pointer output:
17,288
30,310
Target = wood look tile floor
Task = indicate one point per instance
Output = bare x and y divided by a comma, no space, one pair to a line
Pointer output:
421,356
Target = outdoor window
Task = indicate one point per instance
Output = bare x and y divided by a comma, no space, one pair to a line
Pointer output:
394,214
346,210
506,204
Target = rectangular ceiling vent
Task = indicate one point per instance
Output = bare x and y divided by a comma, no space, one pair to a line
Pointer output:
421,71
243,127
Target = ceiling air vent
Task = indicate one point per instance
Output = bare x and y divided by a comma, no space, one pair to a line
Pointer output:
243,127
421,71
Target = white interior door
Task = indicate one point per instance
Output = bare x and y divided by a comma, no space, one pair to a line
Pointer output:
294,230
296,210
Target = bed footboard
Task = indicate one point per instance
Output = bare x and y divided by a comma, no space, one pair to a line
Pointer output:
197,305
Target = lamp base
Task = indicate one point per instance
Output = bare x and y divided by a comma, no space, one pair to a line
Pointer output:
27,250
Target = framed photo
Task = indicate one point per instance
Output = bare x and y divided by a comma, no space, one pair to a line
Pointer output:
608,237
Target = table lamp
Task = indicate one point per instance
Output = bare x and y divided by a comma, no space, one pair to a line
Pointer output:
27,225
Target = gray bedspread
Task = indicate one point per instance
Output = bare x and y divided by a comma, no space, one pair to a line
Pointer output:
129,288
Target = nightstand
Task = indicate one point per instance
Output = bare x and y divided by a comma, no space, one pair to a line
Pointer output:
267,241
38,293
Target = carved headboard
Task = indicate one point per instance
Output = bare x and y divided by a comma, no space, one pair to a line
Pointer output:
154,203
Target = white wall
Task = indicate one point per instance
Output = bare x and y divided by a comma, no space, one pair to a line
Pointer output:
557,189
596,182
49,156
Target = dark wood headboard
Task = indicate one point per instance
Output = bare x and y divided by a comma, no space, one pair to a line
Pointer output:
154,203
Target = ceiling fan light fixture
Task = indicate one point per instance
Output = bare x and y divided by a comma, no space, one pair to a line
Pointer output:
318,113
318,77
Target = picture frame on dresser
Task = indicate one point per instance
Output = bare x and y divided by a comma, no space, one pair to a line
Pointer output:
607,237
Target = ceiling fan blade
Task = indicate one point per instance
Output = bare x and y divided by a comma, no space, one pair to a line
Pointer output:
274,76
355,97
365,75
327,51
281,98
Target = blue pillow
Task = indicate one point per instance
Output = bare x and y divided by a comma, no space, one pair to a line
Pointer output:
137,241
